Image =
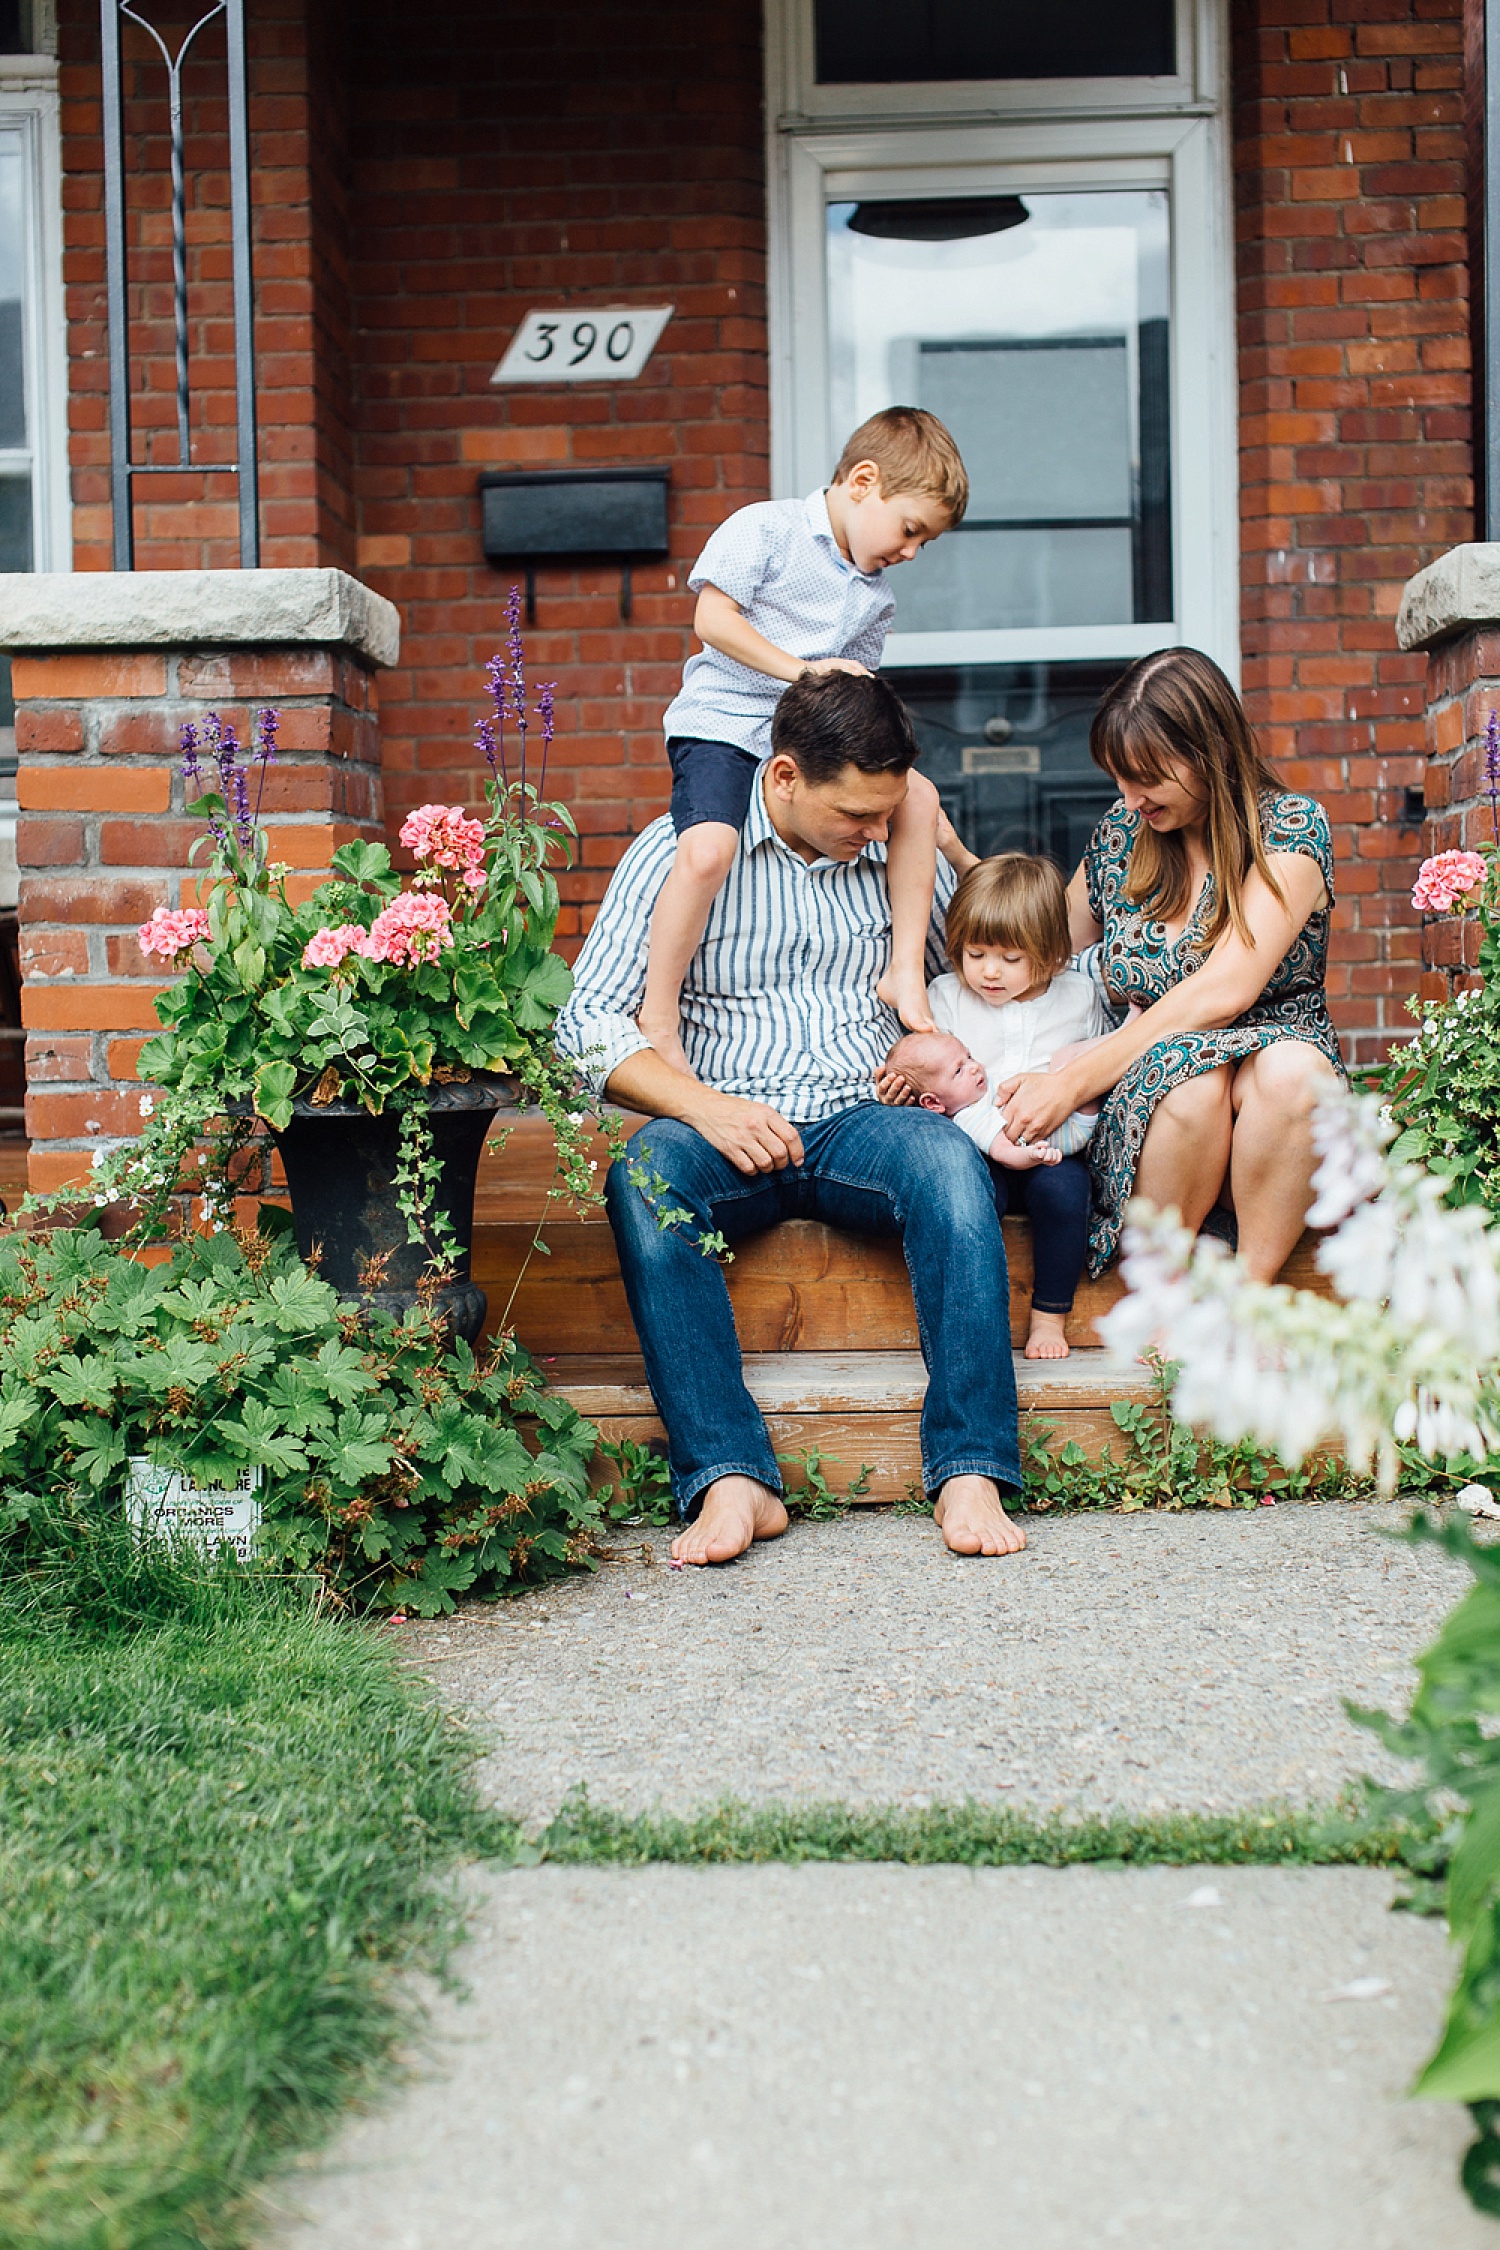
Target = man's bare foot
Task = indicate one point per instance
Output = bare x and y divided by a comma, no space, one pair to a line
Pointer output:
908,996
1047,1337
972,1521
735,1513
666,1039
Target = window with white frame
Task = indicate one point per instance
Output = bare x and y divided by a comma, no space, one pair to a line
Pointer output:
34,511
1018,218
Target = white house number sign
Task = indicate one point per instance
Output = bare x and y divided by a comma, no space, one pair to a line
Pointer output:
610,345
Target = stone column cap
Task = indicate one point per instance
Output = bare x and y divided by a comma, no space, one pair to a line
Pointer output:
1458,591
91,609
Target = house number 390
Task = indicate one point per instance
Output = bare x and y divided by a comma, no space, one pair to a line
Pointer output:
582,344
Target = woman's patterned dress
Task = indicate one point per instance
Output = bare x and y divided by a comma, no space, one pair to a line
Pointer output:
1139,963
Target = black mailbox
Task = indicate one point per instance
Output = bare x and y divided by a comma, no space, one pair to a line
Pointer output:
548,515
543,515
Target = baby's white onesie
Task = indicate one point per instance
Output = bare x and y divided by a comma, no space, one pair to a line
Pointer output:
1021,1035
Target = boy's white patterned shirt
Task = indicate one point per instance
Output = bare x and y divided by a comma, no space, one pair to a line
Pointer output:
778,1003
780,562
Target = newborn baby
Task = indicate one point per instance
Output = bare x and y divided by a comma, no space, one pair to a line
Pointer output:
944,1076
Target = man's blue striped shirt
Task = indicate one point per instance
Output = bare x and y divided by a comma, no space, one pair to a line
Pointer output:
778,1003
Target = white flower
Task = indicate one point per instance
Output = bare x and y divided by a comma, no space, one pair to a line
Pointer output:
148,1106
99,1159
593,1164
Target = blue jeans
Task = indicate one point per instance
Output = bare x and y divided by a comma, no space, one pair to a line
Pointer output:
871,1170
1055,1197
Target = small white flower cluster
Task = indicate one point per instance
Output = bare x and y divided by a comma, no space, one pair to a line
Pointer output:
1410,1351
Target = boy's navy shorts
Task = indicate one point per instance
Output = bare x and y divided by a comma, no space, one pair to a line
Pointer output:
710,781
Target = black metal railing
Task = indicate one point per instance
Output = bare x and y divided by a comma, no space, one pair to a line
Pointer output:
122,470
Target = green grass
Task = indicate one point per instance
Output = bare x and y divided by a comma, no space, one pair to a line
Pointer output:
220,1834
971,1835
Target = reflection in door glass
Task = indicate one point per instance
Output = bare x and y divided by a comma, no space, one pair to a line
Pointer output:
1008,747
1036,327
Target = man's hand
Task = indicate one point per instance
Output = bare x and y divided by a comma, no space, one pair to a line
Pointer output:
754,1137
835,664
893,1089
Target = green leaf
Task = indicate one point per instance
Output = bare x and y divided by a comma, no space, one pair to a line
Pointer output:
361,862
275,1088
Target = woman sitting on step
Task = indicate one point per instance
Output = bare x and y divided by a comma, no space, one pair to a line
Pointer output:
1207,890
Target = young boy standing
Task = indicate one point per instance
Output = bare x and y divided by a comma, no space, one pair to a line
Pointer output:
784,588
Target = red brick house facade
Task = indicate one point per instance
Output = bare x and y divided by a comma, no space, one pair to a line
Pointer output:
423,179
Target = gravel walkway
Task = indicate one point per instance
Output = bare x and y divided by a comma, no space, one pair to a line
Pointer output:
900,2058
1143,1662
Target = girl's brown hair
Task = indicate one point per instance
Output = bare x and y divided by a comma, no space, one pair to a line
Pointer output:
1013,901
1176,709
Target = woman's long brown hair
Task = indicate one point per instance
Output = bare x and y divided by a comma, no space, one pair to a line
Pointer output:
1176,709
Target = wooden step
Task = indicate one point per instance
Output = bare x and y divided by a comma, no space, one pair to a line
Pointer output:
801,1287
861,1409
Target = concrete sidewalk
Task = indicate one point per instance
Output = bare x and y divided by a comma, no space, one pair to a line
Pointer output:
1146,1661
889,2058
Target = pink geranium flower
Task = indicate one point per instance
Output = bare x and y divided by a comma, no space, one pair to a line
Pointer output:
329,949
442,836
1448,883
172,931
414,927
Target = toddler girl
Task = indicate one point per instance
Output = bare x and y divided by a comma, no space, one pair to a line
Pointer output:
1014,1004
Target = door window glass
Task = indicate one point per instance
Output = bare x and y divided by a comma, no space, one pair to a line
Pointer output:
876,42
1036,326
15,456
1008,747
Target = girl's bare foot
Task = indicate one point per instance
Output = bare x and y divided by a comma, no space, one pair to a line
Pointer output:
972,1521
1047,1336
735,1513
908,996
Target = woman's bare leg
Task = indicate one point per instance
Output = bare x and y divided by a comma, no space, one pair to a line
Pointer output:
1186,1152
1272,1160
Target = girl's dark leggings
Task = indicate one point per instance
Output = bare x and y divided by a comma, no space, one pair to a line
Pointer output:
1055,1197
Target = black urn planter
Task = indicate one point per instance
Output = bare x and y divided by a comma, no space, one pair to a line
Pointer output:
341,1172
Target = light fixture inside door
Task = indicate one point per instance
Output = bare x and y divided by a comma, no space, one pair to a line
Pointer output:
939,218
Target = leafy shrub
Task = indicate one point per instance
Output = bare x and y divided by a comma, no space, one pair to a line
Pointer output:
1450,1728
399,1469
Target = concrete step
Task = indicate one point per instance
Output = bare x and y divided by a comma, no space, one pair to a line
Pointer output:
861,1409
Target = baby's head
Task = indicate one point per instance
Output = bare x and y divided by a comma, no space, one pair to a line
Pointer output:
939,1070
1007,927
902,482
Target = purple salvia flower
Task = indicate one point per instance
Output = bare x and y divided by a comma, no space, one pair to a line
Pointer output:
267,727
484,737
517,673
494,672
192,771
1492,771
546,712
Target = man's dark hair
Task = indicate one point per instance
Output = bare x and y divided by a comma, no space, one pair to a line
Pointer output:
829,720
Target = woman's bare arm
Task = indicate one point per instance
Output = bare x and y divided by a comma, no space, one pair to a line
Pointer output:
1231,980
1083,927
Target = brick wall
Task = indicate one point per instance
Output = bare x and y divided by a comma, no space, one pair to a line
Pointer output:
102,840
1463,688
191,522
1354,357
587,154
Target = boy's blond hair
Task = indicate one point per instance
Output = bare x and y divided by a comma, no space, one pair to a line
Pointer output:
914,453
1011,900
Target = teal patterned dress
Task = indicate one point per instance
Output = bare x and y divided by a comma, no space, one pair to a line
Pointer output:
1137,962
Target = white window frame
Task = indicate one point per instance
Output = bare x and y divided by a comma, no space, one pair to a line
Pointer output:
1139,133
29,98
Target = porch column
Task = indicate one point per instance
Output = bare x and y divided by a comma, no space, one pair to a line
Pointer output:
107,669
1452,610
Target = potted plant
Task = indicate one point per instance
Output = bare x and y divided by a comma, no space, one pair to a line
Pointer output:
373,1030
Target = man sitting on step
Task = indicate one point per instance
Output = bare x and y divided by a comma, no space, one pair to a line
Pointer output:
777,1119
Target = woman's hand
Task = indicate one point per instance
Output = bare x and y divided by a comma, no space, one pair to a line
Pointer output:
1036,1103
892,1089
